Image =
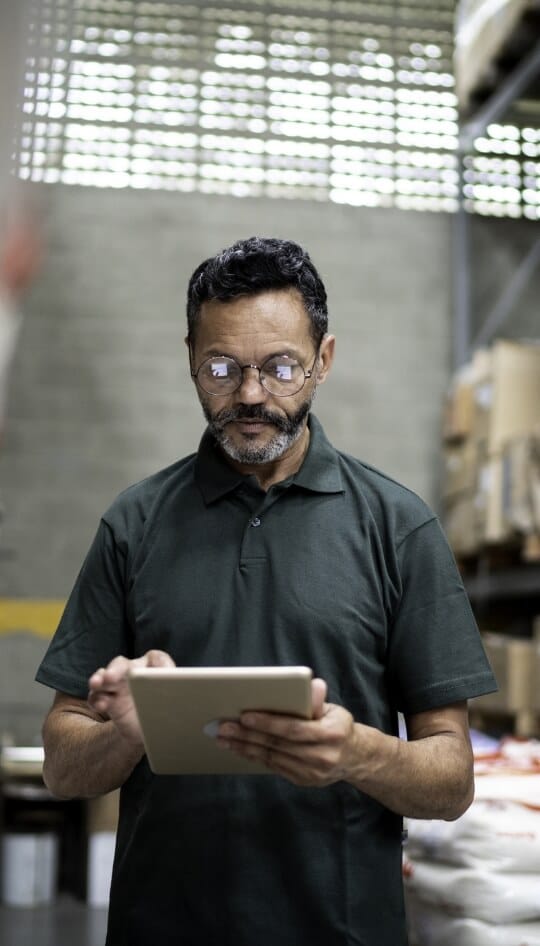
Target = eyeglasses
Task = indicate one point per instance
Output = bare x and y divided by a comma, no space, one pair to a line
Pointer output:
281,375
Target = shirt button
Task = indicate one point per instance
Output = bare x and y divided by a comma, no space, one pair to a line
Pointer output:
255,522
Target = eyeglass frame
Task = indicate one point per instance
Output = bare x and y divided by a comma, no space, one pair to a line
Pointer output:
307,374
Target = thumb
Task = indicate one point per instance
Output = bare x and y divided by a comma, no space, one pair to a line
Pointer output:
158,658
319,691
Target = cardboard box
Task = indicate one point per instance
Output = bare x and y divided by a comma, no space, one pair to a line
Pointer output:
491,499
496,397
513,663
515,408
458,411
521,484
460,526
460,469
481,380
468,400
492,526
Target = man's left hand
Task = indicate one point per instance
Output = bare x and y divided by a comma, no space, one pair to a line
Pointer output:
315,752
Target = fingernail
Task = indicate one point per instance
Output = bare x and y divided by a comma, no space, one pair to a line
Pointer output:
212,729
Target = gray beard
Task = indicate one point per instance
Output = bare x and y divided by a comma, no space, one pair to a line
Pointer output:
249,455
289,430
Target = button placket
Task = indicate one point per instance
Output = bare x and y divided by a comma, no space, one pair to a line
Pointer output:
253,552
253,549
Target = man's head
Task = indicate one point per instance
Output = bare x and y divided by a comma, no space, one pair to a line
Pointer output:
256,265
258,347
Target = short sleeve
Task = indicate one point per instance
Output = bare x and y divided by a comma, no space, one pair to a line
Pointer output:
93,628
436,656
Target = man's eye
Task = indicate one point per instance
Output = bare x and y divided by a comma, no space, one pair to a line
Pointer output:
283,372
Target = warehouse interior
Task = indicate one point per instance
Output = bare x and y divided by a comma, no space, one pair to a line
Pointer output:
399,142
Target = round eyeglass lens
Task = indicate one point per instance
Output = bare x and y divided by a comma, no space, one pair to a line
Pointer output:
219,375
282,375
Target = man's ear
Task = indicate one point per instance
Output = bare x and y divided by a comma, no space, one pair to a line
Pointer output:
326,357
187,343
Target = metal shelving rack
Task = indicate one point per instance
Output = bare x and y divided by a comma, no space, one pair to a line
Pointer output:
523,76
511,583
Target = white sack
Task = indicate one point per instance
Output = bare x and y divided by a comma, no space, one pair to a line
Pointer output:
432,927
475,893
497,835
522,787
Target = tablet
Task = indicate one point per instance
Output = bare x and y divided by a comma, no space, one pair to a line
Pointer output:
179,709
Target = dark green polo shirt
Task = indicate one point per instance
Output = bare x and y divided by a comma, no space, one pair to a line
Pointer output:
339,568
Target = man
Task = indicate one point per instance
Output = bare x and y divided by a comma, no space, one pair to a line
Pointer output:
268,547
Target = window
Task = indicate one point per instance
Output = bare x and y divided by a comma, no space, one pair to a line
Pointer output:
339,100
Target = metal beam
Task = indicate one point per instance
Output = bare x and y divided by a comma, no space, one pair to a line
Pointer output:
496,105
509,90
502,308
461,275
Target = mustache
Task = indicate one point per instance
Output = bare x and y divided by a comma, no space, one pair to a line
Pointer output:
250,412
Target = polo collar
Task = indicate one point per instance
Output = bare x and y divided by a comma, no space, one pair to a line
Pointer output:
319,473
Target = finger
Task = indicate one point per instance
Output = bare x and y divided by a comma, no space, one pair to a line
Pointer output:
287,728
291,728
95,681
116,670
118,663
254,743
319,691
255,751
235,733
295,768
158,658
99,702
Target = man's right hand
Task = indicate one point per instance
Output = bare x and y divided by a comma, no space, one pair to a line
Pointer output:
110,696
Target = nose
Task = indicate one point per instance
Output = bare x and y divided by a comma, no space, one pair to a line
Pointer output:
251,391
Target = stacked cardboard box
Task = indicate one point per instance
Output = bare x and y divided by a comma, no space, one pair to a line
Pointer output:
491,433
514,663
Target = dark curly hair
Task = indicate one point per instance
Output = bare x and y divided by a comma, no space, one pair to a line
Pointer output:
254,265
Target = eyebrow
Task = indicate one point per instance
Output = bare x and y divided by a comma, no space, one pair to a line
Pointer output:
285,353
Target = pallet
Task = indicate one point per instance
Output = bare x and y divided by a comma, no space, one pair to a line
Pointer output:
521,551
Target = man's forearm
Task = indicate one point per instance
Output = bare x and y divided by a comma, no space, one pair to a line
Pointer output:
424,778
85,757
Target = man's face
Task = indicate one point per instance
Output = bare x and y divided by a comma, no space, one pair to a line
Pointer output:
252,425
